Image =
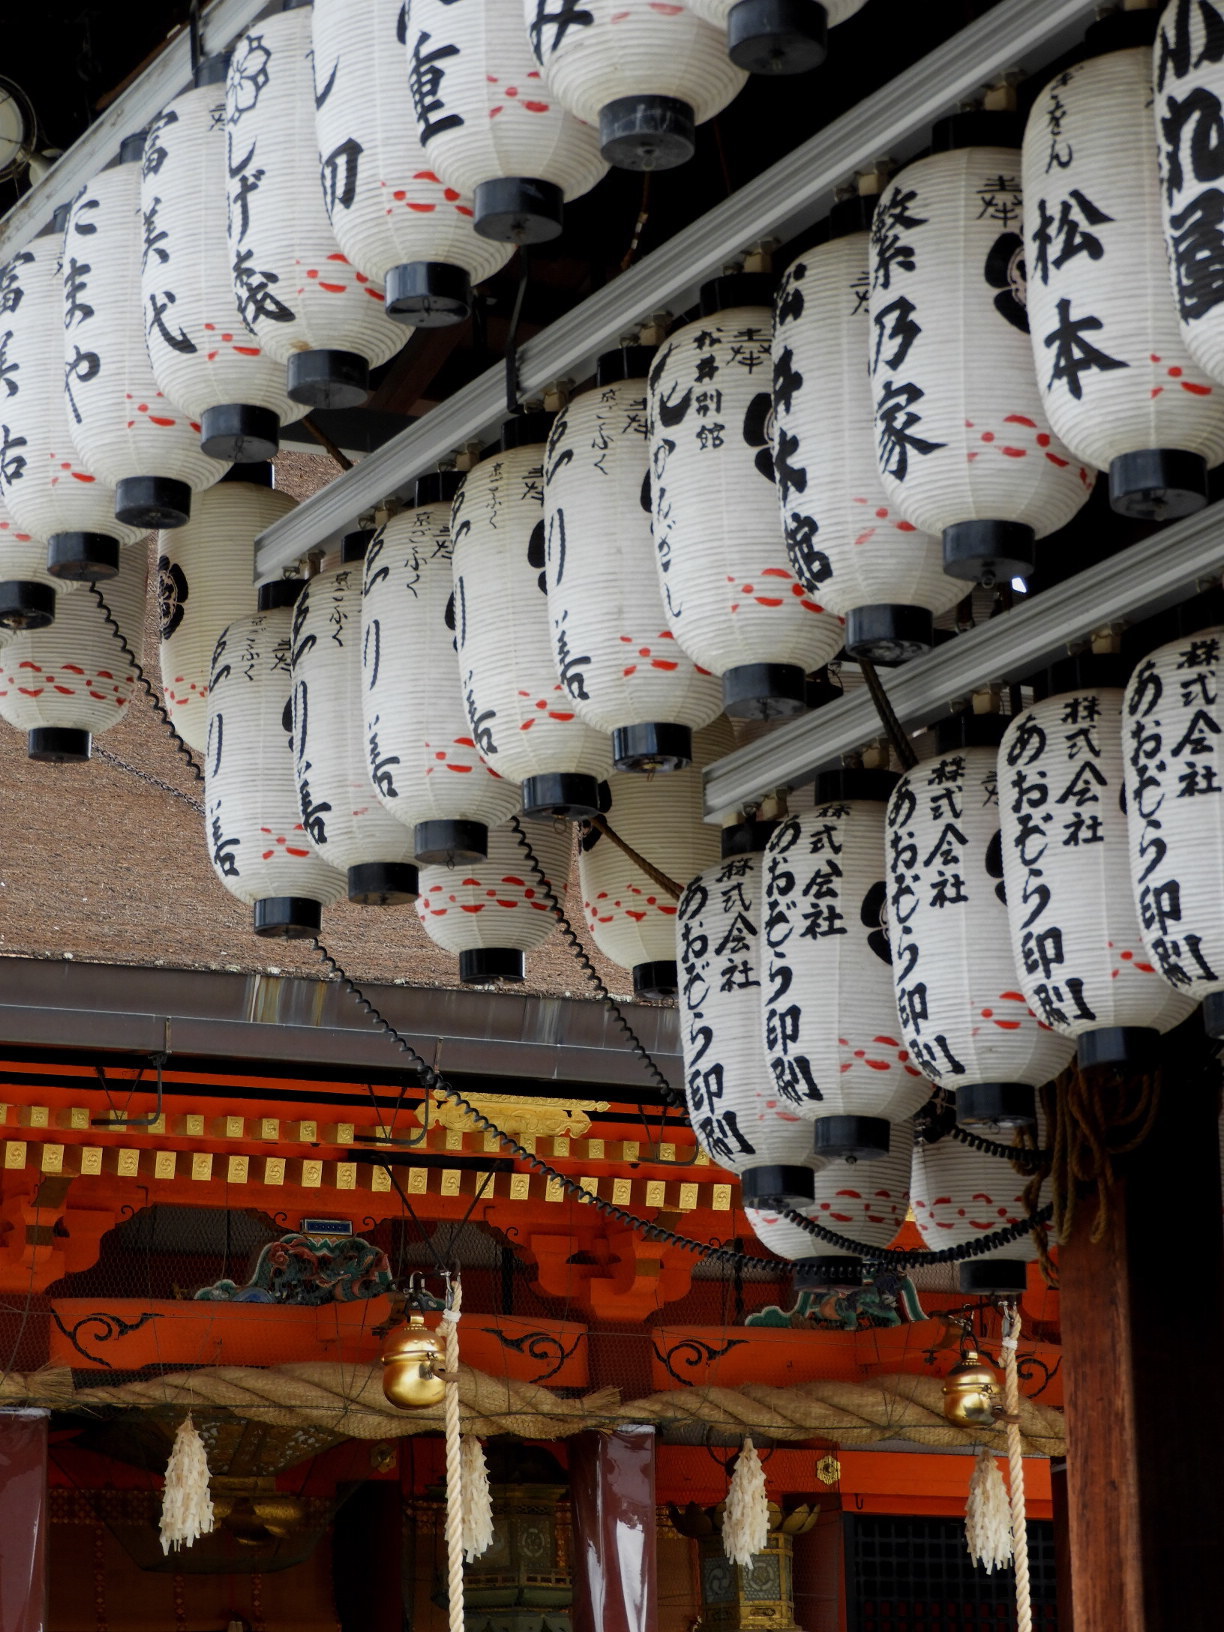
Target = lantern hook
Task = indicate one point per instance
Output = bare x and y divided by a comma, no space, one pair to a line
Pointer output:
151,1118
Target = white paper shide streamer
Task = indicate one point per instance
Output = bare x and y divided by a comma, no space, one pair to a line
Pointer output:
477,1499
745,1521
187,1510
988,1515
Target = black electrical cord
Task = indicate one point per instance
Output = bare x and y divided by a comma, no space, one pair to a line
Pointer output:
150,691
1023,1156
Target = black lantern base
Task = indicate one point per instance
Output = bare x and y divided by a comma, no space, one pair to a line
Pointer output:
1158,484
566,794
26,604
996,1105
888,635
992,1275
152,501
239,432
771,1187
82,557
1213,1014
989,552
655,981
764,691
745,838
278,593
450,844
57,745
382,883
826,1273
287,918
862,1138
518,210
328,379
778,36
482,965
849,782
1117,1045
659,747
427,294
647,132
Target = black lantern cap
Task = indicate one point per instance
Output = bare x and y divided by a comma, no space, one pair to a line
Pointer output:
278,592
566,794
239,432
771,1187
58,224
1087,671
82,558
518,210
131,148
57,745
746,838
977,127
647,132
1157,484
658,747
625,363
778,36
656,981
437,486
862,1138
1122,31
889,635
996,1105
764,691
328,378
287,918
736,289
152,501
25,603
1133,1046
450,844
211,70
847,782
854,214
354,545
965,729
826,1273
989,552
1213,1014
382,883
258,473
523,430
992,1275
481,965
427,294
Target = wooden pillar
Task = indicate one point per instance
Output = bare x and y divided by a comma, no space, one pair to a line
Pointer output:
371,1569
23,1521
612,1491
1062,1544
1143,1328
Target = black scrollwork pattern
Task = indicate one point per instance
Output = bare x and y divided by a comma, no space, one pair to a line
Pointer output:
1029,1367
542,1346
693,1353
99,1327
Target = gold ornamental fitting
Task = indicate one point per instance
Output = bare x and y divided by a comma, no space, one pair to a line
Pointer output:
409,1359
971,1392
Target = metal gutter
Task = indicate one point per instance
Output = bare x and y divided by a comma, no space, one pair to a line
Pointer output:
787,198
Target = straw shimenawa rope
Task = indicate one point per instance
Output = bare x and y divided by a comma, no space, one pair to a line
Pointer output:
454,1460
1015,1467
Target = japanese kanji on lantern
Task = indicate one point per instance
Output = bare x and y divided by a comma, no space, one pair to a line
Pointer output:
960,1195
1075,933
963,444
490,125
27,589
493,912
297,293
622,667
1118,383
964,1020
733,602
420,750
124,427
848,545
252,819
1172,728
204,358
521,714
644,75
392,216
833,1043
344,819
776,36
204,583
631,916
64,684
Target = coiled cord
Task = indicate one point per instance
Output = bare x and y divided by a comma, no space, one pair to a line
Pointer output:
150,691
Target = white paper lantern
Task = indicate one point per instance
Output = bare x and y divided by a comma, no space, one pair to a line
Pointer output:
776,36
631,919
296,291
27,589
781,1235
1172,728
494,911
833,1041
1119,386
204,583
64,684
521,715
963,445
1075,934
619,662
392,216
733,602
644,75
489,124
253,828
49,491
204,358
960,1195
847,544
343,816
964,1020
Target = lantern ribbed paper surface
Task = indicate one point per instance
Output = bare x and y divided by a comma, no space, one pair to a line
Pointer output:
343,816
65,684
420,750
491,912
1119,386
866,1201
622,667
642,74
1172,729
489,124
204,358
833,1042
964,1019
632,919
296,292
254,831
963,445
391,215
733,601
124,428
1075,932
959,1195
780,1236
847,544
27,589
521,715
203,584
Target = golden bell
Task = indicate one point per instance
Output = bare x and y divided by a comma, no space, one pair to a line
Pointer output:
409,1357
971,1390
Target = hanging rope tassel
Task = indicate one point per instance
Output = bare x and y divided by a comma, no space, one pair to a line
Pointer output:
987,1516
477,1500
745,1525
187,1510
454,1461
1015,1467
